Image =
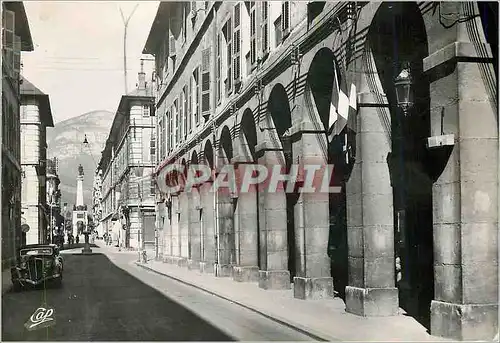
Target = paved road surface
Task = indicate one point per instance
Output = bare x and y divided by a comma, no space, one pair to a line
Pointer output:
99,301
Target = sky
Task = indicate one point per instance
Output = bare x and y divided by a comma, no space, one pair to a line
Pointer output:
78,52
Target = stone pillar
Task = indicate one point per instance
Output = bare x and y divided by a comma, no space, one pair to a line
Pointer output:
274,273
176,250
207,226
167,234
160,227
194,229
312,219
370,235
465,196
247,239
183,229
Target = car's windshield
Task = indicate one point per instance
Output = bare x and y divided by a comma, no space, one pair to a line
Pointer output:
36,252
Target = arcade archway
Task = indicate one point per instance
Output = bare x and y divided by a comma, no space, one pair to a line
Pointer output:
321,78
402,25
279,109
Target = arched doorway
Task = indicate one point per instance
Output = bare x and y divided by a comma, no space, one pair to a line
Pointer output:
279,108
321,78
397,39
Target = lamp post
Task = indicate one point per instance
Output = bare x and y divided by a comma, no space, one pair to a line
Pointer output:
86,232
404,96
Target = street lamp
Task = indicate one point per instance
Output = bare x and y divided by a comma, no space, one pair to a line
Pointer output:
87,232
404,96
404,92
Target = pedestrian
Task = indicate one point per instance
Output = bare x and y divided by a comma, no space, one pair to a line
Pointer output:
77,239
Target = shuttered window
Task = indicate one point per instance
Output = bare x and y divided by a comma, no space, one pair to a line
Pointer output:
265,27
185,108
205,82
285,18
181,115
253,34
237,43
219,68
190,104
170,130
161,141
229,39
177,123
8,41
197,94
152,147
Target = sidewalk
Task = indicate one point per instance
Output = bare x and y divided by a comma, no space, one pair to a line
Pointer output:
325,319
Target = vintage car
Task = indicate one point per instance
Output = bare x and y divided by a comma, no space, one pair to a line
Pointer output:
37,264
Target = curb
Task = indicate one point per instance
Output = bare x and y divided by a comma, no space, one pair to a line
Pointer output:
297,327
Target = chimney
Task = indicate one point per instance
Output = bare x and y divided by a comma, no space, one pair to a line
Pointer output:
142,77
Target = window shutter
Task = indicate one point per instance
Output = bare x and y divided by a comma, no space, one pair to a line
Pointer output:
237,54
285,18
171,45
17,56
205,82
229,85
253,33
177,122
8,47
171,130
190,103
180,109
186,114
265,27
237,15
219,69
197,93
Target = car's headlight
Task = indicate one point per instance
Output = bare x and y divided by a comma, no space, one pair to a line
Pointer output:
23,265
48,263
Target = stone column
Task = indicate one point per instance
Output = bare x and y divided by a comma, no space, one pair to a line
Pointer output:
167,235
207,228
247,239
274,272
465,196
194,229
370,235
176,251
183,229
160,227
312,218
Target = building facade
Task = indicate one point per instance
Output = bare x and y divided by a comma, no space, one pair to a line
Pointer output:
414,216
17,38
36,116
97,201
127,162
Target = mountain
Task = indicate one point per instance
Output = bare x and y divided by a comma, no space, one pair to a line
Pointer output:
65,141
